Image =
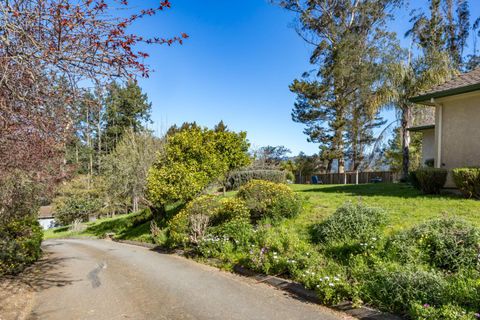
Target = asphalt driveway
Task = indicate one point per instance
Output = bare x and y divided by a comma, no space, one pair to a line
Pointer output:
97,279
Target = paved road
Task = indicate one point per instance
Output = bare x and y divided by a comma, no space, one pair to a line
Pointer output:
96,279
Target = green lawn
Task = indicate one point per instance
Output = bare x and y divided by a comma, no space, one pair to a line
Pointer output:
405,206
120,225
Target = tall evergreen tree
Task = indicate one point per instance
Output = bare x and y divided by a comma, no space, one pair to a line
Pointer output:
346,35
125,107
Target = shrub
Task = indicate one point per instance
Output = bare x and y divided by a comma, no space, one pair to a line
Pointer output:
447,312
227,240
394,287
230,209
431,180
356,222
239,178
448,244
191,224
20,242
269,200
73,208
467,181
290,177
412,179
279,251
194,158
178,230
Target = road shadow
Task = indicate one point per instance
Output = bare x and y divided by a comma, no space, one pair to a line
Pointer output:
44,274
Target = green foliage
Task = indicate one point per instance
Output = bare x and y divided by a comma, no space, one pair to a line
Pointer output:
78,199
76,208
445,312
125,171
394,154
270,200
394,287
352,221
237,179
19,197
279,251
467,181
193,158
20,233
412,179
126,107
20,241
446,244
230,209
431,180
191,224
226,241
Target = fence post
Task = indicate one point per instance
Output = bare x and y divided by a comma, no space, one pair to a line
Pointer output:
356,177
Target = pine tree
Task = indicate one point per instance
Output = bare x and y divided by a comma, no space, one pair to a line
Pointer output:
125,107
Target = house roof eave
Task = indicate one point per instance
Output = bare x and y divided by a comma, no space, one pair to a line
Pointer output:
426,99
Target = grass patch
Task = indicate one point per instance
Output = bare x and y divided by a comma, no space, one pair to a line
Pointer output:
405,205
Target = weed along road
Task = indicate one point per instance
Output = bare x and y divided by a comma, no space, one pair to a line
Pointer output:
97,279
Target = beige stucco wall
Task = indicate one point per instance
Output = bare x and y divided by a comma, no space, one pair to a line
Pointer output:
460,133
428,145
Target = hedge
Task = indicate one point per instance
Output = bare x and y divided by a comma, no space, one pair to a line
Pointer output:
467,181
239,178
431,180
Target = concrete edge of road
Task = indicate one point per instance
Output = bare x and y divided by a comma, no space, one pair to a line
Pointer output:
294,288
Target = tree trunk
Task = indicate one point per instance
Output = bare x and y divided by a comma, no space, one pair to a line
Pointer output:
135,203
406,114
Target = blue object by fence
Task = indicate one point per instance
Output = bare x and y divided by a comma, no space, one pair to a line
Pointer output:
314,180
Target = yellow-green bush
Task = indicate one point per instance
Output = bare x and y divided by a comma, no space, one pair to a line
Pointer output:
269,200
191,223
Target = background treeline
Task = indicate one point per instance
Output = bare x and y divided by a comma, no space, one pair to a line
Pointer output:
361,69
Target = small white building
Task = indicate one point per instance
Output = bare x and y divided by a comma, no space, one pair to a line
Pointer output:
45,217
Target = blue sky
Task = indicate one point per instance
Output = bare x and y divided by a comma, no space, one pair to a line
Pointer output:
236,67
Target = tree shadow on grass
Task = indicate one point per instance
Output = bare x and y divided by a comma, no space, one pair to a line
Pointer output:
400,190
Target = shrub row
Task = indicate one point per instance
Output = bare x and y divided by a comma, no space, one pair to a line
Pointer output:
255,201
431,180
239,178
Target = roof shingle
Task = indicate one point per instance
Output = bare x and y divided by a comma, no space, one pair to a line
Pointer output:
463,83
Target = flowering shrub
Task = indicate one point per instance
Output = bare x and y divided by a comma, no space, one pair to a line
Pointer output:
447,244
192,223
270,200
227,240
446,312
229,209
279,251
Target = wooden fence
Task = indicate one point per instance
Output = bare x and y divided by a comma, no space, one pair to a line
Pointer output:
350,177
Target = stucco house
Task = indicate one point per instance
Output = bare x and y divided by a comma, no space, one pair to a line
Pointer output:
453,141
